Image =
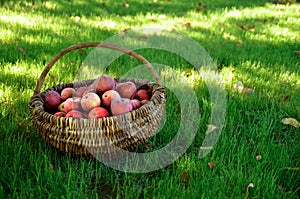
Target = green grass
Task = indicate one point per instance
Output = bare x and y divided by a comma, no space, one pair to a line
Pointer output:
256,39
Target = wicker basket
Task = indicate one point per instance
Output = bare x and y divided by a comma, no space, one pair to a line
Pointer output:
101,136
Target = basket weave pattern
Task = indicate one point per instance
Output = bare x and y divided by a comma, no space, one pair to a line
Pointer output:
87,137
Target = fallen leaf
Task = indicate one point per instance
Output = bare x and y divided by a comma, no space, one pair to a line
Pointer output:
251,185
125,29
103,4
286,97
297,52
251,30
211,128
258,157
202,4
244,27
186,24
22,50
211,165
291,121
185,178
126,5
239,43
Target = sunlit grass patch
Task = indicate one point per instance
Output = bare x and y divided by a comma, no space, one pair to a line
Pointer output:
251,42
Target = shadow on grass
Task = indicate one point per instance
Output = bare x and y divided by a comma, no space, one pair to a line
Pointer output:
132,8
227,51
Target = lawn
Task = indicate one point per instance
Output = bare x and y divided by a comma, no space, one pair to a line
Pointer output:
255,43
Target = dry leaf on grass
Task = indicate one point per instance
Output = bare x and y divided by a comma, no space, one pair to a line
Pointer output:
22,50
297,52
251,185
244,27
186,24
239,86
251,29
211,165
258,157
211,128
291,121
185,178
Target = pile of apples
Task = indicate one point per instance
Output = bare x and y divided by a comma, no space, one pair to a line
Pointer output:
103,98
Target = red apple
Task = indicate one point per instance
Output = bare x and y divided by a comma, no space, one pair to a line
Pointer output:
108,97
104,83
91,86
67,93
143,94
89,101
74,114
52,100
126,89
72,104
120,105
135,103
143,102
98,112
60,114
79,91
88,91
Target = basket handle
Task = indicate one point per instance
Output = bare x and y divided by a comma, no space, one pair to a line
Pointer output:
93,44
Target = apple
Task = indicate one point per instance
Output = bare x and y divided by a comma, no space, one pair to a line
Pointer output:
67,93
74,114
91,86
72,104
60,114
120,105
143,102
79,91
135,103
90,90
98,112
108,97
126,89
89,101
104,83
52,100
143,94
